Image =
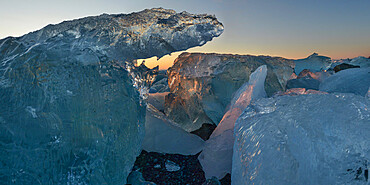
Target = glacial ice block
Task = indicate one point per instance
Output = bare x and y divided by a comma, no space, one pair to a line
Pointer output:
161,135
202,84
136,178
314,63
355,80
69,113
66,122
360,61
363,62
157,100
218,150
305,139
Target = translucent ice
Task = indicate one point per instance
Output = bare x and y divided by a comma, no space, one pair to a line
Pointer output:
157,100
136,178
305,139
66,122
69,113
217,153
361,61
356,80
161,135
171,166
314,63
202,84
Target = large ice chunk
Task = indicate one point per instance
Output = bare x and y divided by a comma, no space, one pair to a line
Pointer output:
305,139
161,135
356,80
360,61
218,150
157,100
202,84
314,63
136,178
69,113
66,122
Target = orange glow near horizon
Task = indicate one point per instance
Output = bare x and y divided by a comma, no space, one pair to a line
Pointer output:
294,51
164,63
167,61
288,29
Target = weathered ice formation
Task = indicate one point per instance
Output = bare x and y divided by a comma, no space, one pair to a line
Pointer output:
320,76
314,63
355,80
304,139
360,61
124,37
161,135
157,100
160,83
202,85
69,113
305,79
136,178
216,157
149,80
143,76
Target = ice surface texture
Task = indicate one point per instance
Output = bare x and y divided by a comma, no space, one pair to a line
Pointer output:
157,100
151,32
136,178
356,80
305,139
68,110
216,157
202,85
314,63
358,61
62,121
161,135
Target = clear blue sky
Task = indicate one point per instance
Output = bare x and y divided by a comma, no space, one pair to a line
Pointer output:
287,28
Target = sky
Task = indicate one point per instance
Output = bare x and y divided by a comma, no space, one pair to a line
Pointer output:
286,28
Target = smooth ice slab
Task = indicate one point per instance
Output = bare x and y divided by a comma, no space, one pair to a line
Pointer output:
218,150
161,135
356,80
305,139
157,100
136,178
